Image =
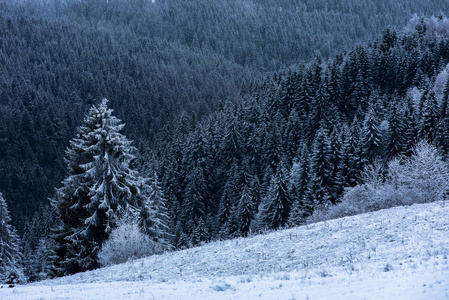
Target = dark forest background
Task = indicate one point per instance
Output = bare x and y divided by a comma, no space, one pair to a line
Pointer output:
157,63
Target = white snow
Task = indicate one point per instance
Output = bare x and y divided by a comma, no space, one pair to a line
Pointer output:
400,253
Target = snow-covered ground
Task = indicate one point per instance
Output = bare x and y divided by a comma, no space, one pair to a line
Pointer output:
400,253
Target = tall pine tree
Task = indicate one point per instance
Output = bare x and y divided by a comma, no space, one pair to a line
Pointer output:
100,184
10,255
154,213
276,205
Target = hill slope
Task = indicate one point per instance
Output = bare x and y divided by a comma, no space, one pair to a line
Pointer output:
400,253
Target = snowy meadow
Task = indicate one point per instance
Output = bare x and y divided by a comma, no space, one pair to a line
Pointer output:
399,253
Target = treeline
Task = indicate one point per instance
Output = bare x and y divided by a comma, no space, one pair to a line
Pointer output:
295,141
153,61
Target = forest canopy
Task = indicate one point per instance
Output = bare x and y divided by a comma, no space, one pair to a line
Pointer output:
153,61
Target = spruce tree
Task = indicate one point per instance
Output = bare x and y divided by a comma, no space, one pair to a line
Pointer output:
273,143
38,246
197,193
395,139
10,255
410,130
429,116
446,90
276,205
173,185
41,260
371,137
154,213
100,185
293,133
350,158
336,161
443,127
246,207
229,199
320,185
299,173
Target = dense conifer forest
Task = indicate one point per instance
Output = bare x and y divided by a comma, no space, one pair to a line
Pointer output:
247,116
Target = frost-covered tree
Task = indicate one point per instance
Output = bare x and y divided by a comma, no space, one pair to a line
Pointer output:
275,207
371,137
443,128
228,201
100,184
429,116
246,208
299,173
320,183
425,174
10,255
423,177
410,130
127,242
395,140
38,246
41,260
154,213
198,199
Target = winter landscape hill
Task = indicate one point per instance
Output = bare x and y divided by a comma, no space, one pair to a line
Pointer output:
399,253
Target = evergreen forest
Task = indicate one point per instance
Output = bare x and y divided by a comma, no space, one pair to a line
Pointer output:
191,121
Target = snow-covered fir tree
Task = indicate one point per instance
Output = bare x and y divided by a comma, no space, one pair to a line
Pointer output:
154,213
197,197
41,260
38,246
320,184
371,137
275,207
101,183
429,116
246,207
394,140
10,255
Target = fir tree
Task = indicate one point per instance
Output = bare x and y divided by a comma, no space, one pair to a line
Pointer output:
38,246
154,213
42,260
336,162
371,137
395,140
246,207
300,211
320,185
230,147
429,116
293,133
198,197
443,129
10,255
173,181
100,184
288,93
410,131
228,202
351,156
277,202
299,173
446,90
273,143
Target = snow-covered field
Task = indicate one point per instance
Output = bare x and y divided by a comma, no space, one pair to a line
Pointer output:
400,253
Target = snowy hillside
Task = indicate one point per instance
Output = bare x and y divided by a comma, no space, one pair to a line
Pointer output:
400,253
